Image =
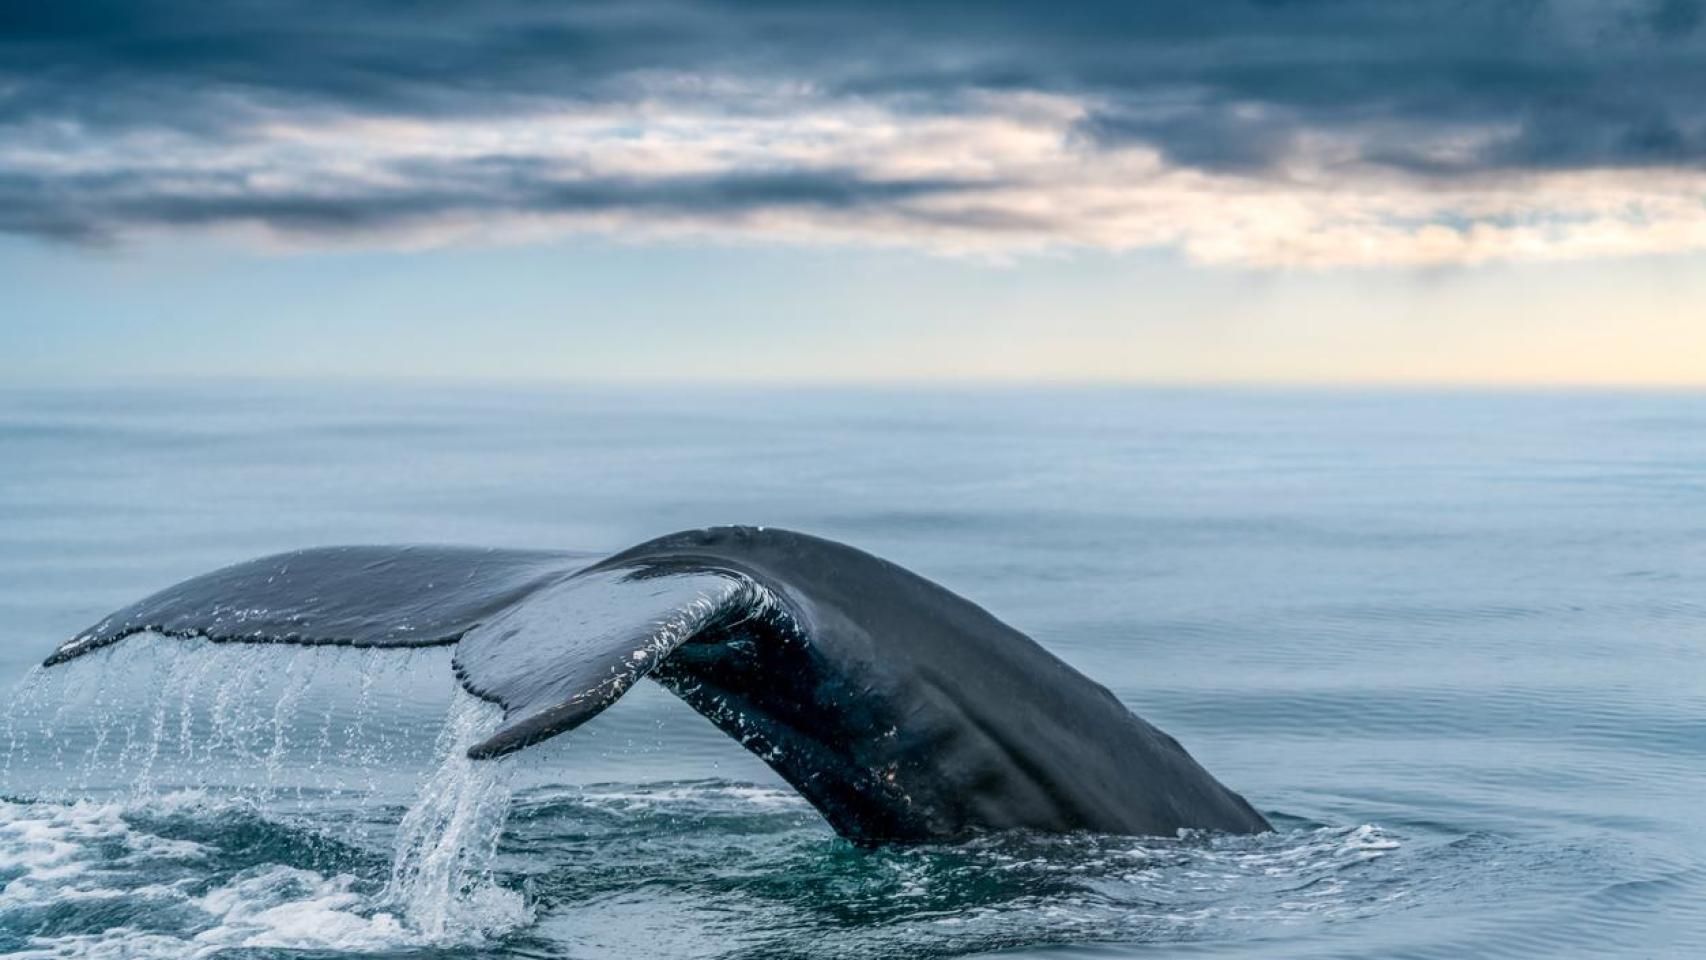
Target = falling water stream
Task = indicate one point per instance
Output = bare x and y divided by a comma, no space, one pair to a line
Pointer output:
157,738
441,879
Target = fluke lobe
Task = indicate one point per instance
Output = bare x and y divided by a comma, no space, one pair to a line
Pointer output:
902,711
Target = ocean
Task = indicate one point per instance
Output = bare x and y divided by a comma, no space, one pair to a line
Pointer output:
1452,644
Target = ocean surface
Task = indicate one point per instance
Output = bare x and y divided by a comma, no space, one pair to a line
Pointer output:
1453,645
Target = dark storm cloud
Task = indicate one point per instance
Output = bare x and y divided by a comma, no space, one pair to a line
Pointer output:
89,208
1218,85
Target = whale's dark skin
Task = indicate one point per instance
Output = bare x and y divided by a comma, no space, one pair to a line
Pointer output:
900,710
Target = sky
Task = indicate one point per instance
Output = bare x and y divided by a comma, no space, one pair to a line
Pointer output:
1476,192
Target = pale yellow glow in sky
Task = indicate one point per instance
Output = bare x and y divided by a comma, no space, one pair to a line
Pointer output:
681,314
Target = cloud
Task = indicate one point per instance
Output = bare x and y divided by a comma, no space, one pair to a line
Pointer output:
1314,132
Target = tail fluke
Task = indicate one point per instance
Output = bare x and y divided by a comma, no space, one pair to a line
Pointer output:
561,656
347,596
548,640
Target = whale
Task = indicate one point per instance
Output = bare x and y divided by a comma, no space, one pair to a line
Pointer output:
901,711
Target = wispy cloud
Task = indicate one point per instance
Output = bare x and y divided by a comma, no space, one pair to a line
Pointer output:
1296,132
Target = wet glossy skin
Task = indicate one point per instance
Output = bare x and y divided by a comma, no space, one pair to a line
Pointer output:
902,711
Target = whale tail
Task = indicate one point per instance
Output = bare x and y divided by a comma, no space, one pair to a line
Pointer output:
899,709
536,633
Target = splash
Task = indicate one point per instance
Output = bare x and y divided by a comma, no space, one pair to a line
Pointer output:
151,717
290,804
136,892
441,878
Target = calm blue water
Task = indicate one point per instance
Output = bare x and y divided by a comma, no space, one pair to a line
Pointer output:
1453,645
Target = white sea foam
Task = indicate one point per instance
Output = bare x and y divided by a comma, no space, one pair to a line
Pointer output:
724,795
273,906
54,856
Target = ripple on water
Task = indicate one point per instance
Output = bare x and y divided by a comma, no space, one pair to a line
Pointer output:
181,876
299,839
714,867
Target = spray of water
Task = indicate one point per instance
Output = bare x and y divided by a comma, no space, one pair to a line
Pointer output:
441,878
103,733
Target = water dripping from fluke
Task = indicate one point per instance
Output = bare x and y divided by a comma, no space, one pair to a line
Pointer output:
198,758
441,879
